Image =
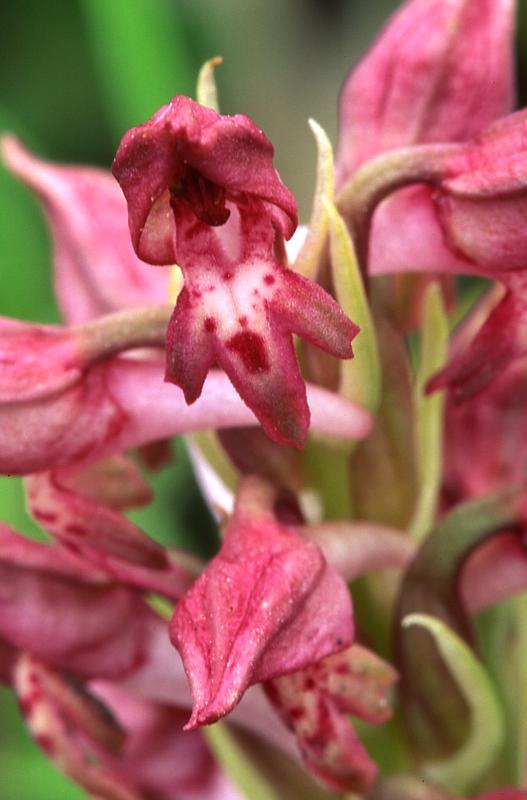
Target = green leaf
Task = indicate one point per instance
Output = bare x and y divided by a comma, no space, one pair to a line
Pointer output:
435,709
141,54
502,639
361,375
236,764
429,412
460,772
26,291
307,261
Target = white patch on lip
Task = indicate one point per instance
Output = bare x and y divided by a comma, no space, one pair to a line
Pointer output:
241,296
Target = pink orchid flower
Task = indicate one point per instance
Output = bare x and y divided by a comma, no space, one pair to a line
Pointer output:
202,192
266,605
74,618
470,217
66,395
439,72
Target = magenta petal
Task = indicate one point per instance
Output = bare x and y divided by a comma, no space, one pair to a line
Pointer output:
96,269
202,191
439,72
501,339
304,308
190,347
157,756
244,319
495,571
313,703
266,604
72,729
243,315
267,377
79,521
36,360
101,535
67,614
400,226
188,155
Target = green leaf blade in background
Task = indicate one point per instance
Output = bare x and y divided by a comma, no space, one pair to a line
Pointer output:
141,55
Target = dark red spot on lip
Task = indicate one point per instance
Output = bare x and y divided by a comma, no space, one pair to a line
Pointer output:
269,279
196,293
243,321
44,516
209,325
75,530
251,349
227,276
46,743
296,713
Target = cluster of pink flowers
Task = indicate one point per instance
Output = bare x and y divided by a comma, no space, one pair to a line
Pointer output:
391,472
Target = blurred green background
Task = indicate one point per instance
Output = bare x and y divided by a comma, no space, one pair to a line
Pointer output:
75,74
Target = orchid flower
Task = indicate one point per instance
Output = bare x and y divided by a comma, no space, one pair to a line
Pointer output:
357,629
202,192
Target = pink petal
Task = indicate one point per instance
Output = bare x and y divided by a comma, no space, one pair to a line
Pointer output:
439,72
500,341
72,730
353,548
101,535
62,427
266,604
482,437
400,227
96,269
67,614
111,410
495,571
482,202
191,151
36,360
157,756
313,702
